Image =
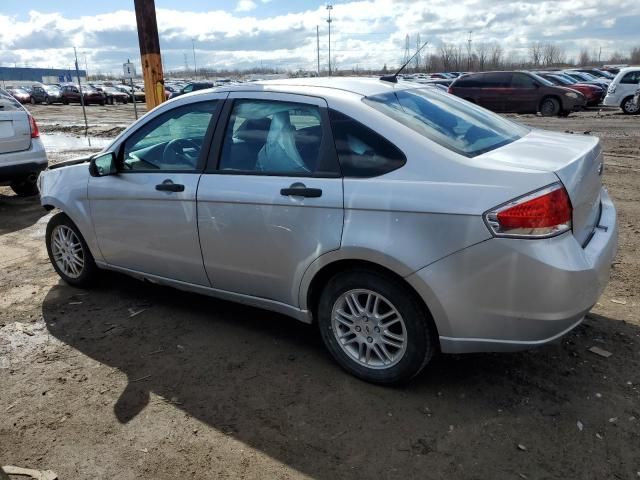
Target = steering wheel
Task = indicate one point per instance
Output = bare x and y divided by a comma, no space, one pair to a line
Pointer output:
174,152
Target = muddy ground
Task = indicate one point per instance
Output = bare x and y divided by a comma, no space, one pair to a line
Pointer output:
134,381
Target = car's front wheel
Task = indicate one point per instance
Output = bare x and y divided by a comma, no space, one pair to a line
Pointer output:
549,107
374,327
69,253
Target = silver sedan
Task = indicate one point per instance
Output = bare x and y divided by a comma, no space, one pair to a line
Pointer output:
404,221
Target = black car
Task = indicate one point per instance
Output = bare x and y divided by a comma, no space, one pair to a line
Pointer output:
192,87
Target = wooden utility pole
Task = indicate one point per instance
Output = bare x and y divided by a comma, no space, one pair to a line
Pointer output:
150,52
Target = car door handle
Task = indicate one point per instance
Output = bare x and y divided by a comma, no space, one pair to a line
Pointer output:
169,186
300,190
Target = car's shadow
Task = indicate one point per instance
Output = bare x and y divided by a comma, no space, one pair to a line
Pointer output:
266,380
17,212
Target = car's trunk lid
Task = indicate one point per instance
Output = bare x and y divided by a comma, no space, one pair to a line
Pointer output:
576,160
15,131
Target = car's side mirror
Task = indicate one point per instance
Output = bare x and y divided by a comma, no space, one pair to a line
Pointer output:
103,164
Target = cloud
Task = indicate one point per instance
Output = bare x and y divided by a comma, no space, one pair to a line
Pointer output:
365,33
245,6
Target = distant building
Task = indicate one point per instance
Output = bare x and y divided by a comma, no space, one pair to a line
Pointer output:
43,75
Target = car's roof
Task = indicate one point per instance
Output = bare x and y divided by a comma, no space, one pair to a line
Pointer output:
360,85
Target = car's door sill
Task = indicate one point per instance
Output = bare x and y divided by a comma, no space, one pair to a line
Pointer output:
264,303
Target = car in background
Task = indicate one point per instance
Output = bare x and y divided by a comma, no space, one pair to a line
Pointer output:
113,95
596,72
587,78
400,219
622,90
54,94
37,93
20,94
133,94
593,93
22,154
192,87
71,94
517,92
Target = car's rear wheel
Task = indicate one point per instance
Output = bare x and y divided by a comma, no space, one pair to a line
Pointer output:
65,101
49,102
33,101
25,186
69,253
374,327
629,107
549,107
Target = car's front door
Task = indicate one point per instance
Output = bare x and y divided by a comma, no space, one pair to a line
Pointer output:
145,216
271,201
522,94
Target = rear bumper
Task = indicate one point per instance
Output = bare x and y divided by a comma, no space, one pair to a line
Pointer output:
612,100
20,164
510,294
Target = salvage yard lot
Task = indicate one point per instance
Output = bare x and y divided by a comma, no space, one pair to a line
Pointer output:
132,380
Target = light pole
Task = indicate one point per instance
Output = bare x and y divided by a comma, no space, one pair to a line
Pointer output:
329,8
195,68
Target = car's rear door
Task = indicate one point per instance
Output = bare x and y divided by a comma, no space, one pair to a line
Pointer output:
15,131
491,92
271,201
145,216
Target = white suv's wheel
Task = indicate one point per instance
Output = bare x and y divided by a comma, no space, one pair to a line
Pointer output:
629,106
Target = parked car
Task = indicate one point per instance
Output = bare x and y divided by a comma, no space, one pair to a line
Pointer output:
22,155
54,94
622,89
71,94
401,219
138,96
596,72
113,95
19,94
587,78
192,87
593,93
37,94
520,92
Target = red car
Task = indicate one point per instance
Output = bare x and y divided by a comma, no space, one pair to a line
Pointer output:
71,94
593,93
20,94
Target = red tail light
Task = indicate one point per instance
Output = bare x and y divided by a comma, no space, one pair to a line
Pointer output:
35,131
449,90
541,214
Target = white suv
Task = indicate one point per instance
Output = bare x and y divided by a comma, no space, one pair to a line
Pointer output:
622,89
22,155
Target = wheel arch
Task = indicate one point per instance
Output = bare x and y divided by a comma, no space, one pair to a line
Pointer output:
314,281
550,95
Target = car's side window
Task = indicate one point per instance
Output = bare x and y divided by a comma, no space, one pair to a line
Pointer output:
520,80
273,138
171,141
495,80
361,151
631,77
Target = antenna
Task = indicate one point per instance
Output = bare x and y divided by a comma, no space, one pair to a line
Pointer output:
394,78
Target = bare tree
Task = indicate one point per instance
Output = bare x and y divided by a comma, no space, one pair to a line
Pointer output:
617,57
584,58
482,52
552,54
495,56
535,53
634,58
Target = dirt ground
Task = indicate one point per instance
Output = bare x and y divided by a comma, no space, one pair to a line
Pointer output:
134,381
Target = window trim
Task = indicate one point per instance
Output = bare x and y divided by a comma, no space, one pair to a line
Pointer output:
327,145
206,140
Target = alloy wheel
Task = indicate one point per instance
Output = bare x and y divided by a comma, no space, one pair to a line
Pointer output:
369,329
67,251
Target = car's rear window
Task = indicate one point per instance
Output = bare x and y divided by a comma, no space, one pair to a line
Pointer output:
447,120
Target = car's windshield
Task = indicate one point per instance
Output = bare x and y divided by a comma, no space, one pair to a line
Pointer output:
541,80
561,79
51,89
451,122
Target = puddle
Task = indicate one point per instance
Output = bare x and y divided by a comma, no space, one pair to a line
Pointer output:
58,142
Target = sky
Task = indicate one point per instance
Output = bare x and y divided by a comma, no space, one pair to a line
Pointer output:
282,33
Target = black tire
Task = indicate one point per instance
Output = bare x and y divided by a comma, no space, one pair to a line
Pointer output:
33,101
564,113
628,107
48,100
25,186
65,101
549,107
89,273
419,332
